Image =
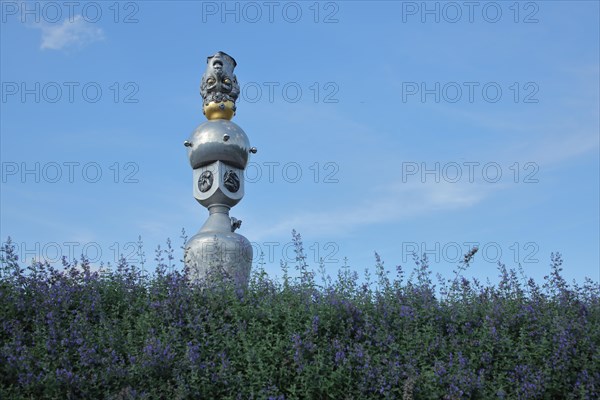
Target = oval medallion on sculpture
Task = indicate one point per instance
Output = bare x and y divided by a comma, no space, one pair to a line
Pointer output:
205,182
231,181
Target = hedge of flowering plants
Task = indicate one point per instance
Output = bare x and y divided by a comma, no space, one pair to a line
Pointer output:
76,332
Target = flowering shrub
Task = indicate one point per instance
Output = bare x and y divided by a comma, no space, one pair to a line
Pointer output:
76,333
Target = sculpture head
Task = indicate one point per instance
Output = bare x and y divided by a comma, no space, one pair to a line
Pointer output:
219,87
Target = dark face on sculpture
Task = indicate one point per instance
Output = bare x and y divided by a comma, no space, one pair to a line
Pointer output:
219,82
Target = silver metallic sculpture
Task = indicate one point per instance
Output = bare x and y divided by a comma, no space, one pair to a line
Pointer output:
218,151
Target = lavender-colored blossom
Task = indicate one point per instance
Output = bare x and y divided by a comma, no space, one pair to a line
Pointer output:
315,324
297,346
193,352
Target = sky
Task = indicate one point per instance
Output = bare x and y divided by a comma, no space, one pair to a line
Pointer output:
394,127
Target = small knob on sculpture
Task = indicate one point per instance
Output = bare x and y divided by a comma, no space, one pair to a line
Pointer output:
253,150
225,137
187,143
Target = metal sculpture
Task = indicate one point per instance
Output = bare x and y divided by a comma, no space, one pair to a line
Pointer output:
218,151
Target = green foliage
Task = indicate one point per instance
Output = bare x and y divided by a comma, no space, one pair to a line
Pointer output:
78,333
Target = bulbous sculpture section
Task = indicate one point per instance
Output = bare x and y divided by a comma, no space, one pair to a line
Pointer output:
217,255
216,250
218,140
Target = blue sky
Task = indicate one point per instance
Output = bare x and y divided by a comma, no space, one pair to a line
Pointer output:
380,126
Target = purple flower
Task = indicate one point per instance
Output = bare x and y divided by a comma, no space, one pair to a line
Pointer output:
193,351
440,371
340,356
315,324
297,343
65,376
406,312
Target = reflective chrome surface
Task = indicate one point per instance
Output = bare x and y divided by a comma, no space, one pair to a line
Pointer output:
208,144
216,248
218,152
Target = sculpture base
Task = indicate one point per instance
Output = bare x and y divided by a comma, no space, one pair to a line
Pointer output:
216,252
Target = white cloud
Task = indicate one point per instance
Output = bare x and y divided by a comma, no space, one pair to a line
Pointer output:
558,148
71,33
384,205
